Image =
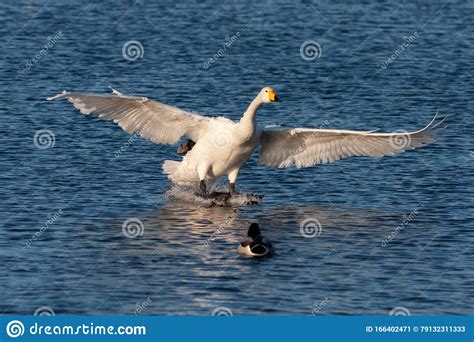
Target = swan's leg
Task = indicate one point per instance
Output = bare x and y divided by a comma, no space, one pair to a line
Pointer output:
202,186
202,173
232,176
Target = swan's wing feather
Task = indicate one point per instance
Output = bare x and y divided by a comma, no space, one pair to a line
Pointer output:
153,120
305,147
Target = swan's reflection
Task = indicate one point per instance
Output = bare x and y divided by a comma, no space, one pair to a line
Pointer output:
175,222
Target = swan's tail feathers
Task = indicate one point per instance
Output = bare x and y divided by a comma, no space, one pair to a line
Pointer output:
170,166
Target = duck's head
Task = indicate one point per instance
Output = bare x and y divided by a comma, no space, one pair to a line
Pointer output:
185,147
254,231
268,95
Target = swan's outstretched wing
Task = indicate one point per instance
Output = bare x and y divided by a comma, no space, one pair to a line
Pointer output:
306,147
155,121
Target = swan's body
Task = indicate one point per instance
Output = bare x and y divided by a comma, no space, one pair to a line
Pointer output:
222,150
223,146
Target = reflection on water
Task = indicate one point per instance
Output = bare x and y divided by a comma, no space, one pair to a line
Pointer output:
189,252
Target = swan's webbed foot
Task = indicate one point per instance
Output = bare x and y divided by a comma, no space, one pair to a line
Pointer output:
232,188
203,188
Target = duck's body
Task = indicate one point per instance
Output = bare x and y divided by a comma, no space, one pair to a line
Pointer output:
223,146
257,246
255,249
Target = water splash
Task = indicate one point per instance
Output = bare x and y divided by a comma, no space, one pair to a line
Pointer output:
190,194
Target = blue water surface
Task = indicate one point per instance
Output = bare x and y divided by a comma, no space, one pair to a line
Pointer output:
396,232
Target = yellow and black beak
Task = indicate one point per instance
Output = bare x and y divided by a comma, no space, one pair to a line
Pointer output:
273,97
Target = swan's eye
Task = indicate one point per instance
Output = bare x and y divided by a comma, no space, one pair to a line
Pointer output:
266,91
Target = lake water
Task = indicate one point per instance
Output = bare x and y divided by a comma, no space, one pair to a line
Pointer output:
396,232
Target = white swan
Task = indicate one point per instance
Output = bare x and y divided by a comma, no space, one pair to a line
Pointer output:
223,146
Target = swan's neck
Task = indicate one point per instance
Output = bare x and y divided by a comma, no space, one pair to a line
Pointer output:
248,121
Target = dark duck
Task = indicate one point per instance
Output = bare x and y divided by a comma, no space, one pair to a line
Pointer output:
257,246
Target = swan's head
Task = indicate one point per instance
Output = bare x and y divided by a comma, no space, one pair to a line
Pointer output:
268,95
